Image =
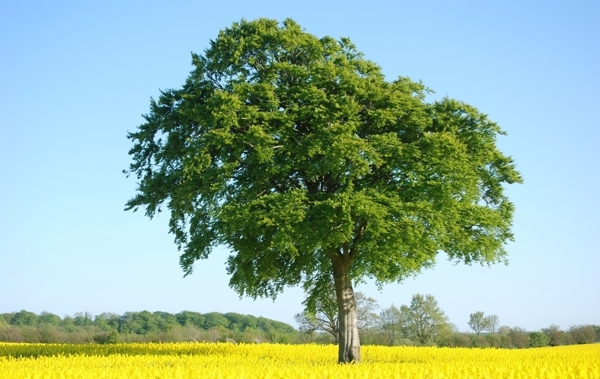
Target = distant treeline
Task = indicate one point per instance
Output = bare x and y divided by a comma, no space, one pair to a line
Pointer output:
505,338
143,326
424,323
390,327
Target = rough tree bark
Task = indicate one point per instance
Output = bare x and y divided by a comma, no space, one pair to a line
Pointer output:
348,340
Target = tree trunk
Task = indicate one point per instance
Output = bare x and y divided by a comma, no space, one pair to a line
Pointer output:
348,340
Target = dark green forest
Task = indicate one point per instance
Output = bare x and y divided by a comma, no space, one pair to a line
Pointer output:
143,326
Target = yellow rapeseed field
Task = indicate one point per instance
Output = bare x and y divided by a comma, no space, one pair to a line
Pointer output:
207,360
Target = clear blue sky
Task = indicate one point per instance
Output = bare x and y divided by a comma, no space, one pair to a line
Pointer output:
76,76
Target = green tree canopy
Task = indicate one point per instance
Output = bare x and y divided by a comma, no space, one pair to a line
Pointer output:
215,319
47,318
83,319
425,318
139,322
24,317
478,322
295,153
107,321
190,318
395,323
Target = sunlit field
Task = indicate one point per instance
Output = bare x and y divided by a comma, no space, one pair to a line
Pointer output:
208,360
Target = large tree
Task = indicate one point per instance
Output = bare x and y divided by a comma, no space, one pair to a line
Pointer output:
298,155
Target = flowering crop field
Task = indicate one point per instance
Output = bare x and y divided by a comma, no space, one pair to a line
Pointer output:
209,360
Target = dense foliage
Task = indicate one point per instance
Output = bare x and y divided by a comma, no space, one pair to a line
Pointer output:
298,155
142,326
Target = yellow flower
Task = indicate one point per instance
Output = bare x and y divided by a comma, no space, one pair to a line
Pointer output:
222,360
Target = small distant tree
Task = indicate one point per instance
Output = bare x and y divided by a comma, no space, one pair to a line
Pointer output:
457,340
67,324
190,318
538,339
324,316
192,333
519,337
425,318
583,334
48,333
365,309
494,340
556,337
142,323
394,324
478,322
107,321
493,323
110,337
478,340
505,338
214,319
24,318
47,318
321,314
165,321
83,319
388,324
446,334
238,322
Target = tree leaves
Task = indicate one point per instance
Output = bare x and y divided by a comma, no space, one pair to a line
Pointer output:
290,149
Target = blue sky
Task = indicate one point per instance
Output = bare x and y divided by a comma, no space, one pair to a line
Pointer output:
75,77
